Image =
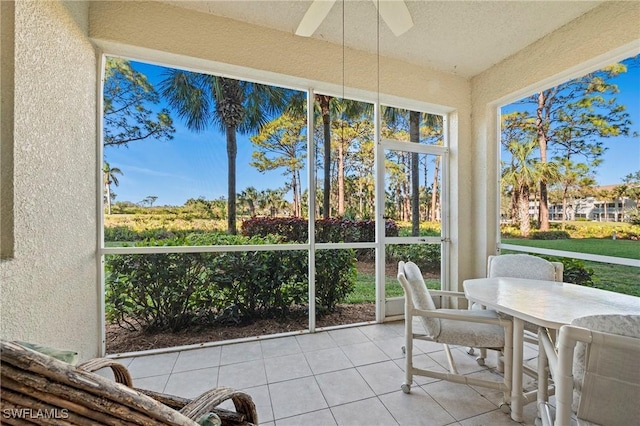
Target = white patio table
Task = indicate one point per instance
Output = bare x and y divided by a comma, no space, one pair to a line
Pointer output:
547,304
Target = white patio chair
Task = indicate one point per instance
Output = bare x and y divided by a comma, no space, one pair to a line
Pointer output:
451,327
520,266
596,370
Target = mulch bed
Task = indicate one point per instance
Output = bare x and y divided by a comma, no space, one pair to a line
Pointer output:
120,340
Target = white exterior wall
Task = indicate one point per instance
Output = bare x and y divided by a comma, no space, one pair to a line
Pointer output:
604,35
49,289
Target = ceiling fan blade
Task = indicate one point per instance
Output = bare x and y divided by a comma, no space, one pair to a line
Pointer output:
316,13
395,14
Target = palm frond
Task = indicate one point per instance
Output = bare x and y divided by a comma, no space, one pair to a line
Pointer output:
190,95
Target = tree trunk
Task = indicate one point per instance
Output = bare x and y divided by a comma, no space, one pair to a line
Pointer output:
294,187
564,208
108,189
299,193
434,194
341,177
523,211
326,124
414,136
232,151
542,142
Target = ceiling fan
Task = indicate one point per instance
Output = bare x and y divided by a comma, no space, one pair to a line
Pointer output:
393,12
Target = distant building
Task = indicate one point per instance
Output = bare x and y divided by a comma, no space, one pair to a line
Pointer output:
589,208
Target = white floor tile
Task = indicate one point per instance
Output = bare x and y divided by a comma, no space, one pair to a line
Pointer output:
416,408
315,418
152,365
369,412
493,418
242,375
315,341
425,362
341,387
278,374
196,359
240,352
364,353
153,383
379,332
327,360
280,346
348,336
461,401
382,377
295,397
286,367
392,347
262,400
190,384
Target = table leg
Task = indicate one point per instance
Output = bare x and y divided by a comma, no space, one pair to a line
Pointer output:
516,389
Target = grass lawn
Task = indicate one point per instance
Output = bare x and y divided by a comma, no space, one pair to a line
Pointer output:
606,247
365,290
616,278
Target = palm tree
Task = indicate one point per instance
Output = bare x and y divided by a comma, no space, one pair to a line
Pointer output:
250,197
522,174
233,106
109,177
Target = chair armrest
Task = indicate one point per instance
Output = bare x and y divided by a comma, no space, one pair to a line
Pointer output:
444,293
193,408
245,414
120,372
462,315
208,402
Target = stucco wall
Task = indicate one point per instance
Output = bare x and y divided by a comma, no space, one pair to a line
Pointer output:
606,34
49,290
174,36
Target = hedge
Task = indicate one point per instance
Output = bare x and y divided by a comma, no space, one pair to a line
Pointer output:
178,290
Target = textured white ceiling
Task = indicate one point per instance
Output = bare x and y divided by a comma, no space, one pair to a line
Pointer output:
460,37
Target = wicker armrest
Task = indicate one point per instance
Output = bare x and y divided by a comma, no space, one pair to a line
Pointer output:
245,414
120,372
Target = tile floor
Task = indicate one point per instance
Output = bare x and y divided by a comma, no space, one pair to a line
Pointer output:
348,376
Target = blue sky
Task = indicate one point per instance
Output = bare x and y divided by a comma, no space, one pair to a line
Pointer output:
195,164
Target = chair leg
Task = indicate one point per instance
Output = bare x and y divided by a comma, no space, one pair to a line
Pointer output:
482,356
500,362
452,363
408,351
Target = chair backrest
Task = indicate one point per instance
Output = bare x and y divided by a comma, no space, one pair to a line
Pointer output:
417,294
524,266
605,369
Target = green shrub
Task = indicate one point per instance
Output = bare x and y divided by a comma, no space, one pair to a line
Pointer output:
426,256
633,216
120,233
550,235
327,230
575,271
178,290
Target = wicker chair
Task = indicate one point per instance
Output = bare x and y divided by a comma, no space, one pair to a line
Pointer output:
36,388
